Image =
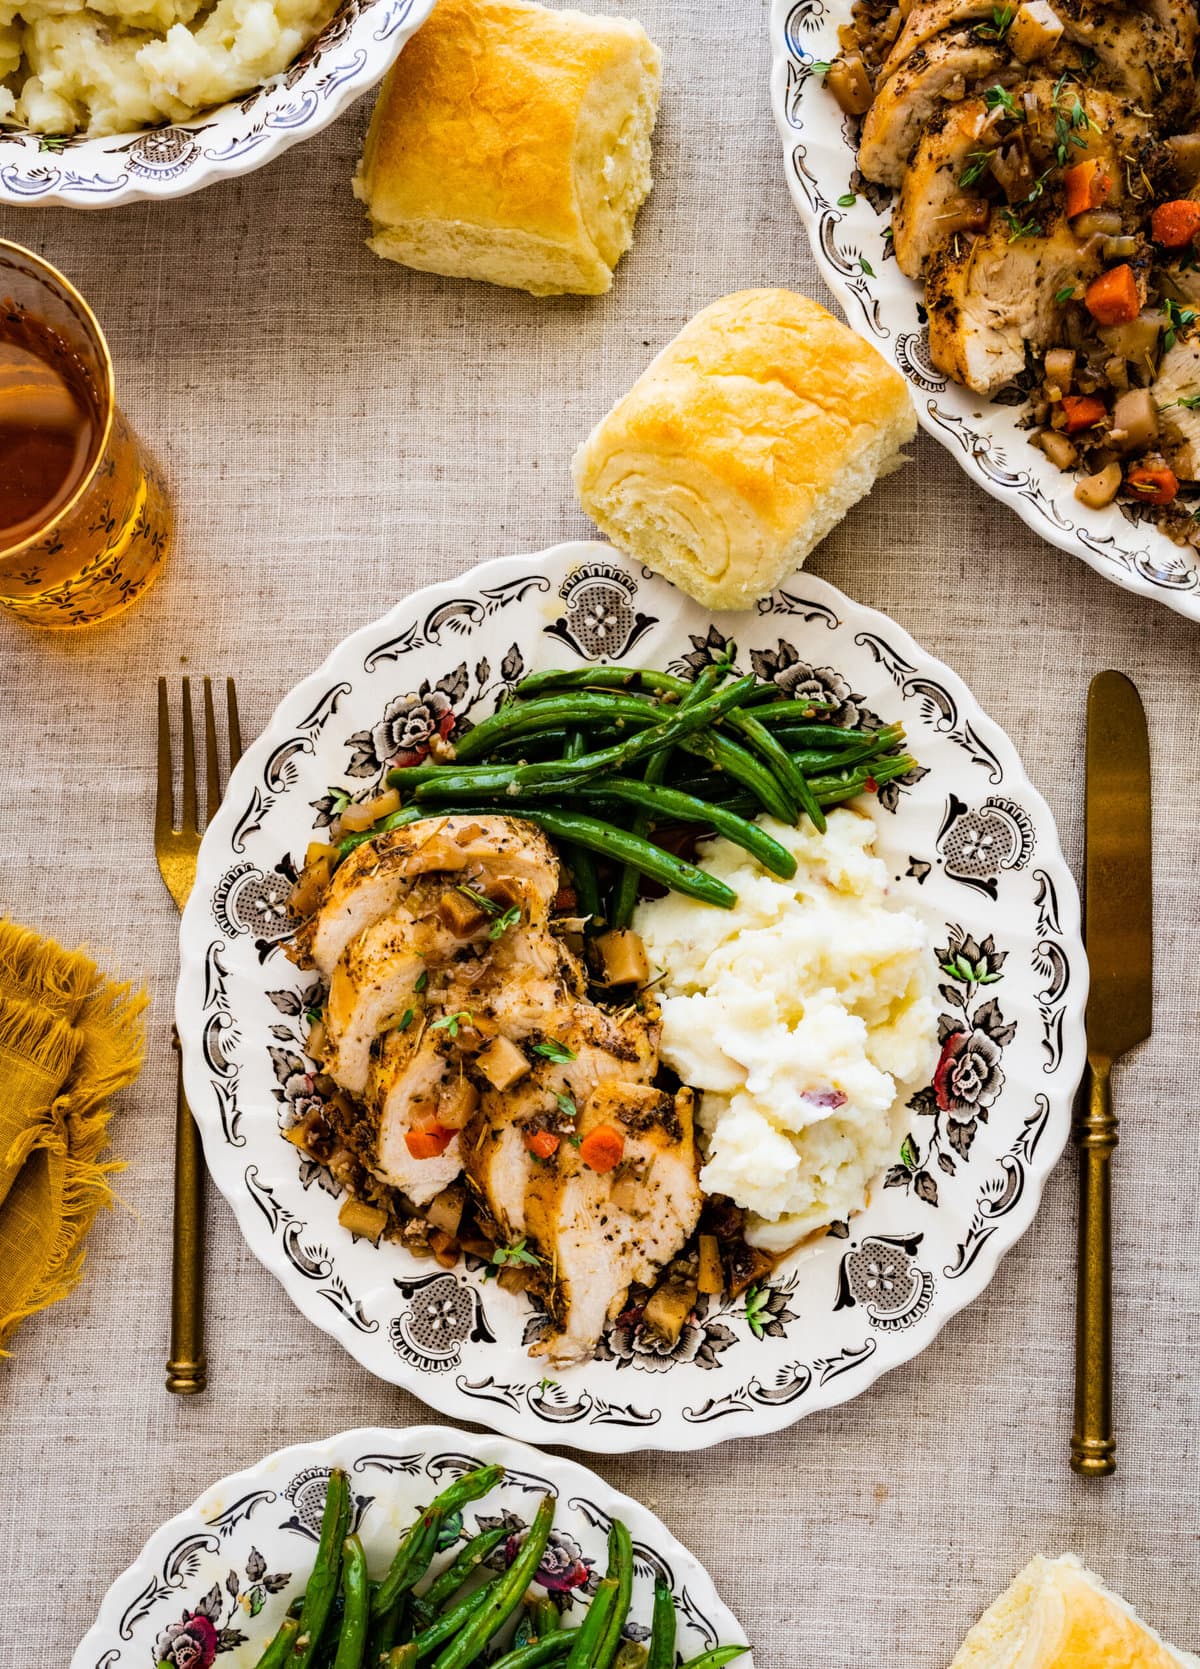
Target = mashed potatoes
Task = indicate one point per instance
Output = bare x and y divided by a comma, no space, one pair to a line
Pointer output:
803,1014
113,65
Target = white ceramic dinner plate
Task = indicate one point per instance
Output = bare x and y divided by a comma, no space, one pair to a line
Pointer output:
969,843
356,47
846,218
212,1585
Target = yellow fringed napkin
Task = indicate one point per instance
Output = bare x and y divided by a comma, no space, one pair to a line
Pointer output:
69,1039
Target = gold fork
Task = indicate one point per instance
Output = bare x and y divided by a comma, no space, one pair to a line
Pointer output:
177,851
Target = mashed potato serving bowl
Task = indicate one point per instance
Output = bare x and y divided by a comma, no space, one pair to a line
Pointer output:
347,57
968,845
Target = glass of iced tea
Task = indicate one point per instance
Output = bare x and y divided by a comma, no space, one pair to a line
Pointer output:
84,517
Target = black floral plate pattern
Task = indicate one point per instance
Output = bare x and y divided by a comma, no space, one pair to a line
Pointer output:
847,220
221,1575
968,843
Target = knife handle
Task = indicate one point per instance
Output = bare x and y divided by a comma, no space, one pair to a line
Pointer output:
1093,1441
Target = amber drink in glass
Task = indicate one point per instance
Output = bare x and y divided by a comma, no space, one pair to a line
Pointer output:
85,522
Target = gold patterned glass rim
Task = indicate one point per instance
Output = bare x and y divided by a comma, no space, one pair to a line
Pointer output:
16,256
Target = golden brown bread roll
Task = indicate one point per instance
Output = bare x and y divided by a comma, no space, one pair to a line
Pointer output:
1057,1615
512,143
743,444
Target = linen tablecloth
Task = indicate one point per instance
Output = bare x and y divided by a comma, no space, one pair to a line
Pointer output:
338,431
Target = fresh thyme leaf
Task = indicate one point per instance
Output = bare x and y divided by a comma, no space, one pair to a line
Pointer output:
847,200
422,981
451,1022
999,98
820,66
553,1050
406,1020
501,925
1065,294
1018,228
566,1105
1178,319
518,1252
1002,17
1190,402
977,162
487,905
340,798
865,267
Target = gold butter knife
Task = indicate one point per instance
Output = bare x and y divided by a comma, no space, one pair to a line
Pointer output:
1118,917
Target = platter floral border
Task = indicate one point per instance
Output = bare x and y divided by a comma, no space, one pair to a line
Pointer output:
966,837
223,1572
846,218
353,51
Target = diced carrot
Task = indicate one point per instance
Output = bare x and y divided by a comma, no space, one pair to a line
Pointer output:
1112,299
1152,485
429,1140
1083,411
603,1148
1087,185
543,1144
1174,225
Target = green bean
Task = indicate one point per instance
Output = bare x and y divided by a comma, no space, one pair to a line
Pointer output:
662,1629
547,1619
403,1657
656,769
613,842
446,1626
394,820
684,722
536,1652
452,1578
788,711
717,1658
322,1586
777,760
585,1653
588,677
583,869
742,767
356,1595
674,806
412,1557
520,717
279,1650
385,1632
504,1595
868,746
620,1570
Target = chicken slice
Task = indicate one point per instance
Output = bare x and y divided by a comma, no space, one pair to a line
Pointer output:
929,18
378,979
933,200
905,103
603,1232
990,296
1179,379
376,876
403,1088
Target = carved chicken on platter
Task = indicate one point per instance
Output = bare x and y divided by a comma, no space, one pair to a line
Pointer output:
459,1020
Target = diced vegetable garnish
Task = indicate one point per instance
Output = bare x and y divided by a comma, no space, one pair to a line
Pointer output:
1112,299
603,1148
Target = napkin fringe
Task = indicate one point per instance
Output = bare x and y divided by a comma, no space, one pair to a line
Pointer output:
89,1056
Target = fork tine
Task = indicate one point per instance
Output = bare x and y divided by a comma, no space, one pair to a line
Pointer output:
212,762
164,805
235,726
188,818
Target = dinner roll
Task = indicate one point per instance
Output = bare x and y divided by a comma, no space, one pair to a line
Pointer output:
743,444
1057,1615
512,143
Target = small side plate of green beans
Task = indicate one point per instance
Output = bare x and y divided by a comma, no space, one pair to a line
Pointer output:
620,762
407,1550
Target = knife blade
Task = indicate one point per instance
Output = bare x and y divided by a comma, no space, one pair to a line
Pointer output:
1118,926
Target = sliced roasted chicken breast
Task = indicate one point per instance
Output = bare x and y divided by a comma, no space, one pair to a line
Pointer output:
606,1231
907,100
990,296
406,1083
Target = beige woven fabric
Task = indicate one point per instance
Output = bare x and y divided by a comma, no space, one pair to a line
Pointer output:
337,432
